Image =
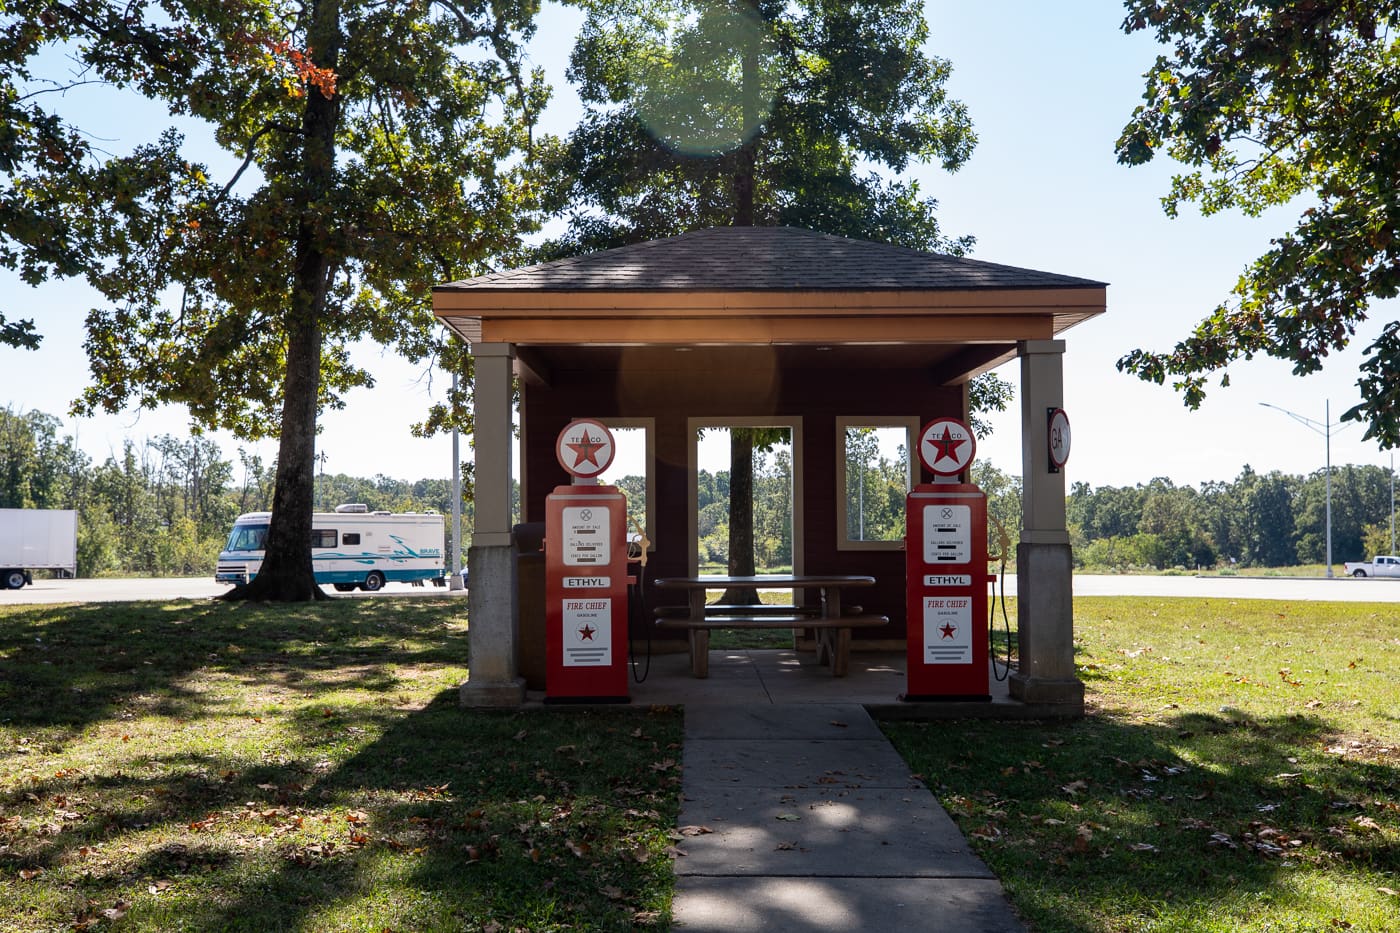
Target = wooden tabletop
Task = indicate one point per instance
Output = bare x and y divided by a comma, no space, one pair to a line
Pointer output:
777,581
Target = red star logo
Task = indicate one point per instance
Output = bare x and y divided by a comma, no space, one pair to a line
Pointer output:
587,632
947,445
948,630
587,449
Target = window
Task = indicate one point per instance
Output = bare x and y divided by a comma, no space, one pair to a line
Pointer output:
349,538
631,469
874,473
776,497
247,538
323,537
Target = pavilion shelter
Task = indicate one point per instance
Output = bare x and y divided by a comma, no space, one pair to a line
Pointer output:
762,326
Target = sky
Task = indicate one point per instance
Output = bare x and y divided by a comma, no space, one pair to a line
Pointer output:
1048,87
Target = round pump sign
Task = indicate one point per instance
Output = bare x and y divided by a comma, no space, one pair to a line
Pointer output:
1057,437
946,446
585,448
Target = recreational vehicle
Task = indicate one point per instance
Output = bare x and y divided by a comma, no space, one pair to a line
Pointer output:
351,548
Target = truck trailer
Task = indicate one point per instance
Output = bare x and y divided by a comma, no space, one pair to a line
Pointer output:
351,548
36,539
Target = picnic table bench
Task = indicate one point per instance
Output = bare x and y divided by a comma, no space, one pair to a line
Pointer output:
830,625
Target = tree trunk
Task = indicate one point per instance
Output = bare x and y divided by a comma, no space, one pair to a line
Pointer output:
741,563
286,574
746,159
740,515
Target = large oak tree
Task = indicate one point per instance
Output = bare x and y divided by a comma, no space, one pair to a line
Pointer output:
1264,101
701,113
374,150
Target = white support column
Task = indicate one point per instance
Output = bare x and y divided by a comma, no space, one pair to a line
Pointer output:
1044,564
494,678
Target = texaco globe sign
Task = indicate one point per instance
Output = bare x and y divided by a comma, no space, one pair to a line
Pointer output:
946,446
585,448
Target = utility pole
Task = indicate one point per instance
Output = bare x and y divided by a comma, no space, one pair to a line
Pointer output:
455,581
1325,429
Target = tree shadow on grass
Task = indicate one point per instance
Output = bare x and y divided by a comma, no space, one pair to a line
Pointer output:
1104,822
374,811
450,816
63,668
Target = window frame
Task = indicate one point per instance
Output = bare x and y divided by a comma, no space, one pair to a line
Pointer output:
692,518
648,427
911,426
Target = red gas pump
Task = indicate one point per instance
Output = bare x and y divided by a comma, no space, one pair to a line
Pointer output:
945,546
585,575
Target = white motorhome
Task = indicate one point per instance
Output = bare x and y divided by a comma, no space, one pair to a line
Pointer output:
351,548
36,539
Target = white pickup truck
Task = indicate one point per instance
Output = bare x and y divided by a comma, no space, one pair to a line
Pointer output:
1383,565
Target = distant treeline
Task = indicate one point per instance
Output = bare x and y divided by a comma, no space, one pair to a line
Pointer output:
164,506
1269,520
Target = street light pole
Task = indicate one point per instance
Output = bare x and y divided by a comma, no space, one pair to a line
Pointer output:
1325,429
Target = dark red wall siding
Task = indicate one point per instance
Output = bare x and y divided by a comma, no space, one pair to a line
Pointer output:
672,386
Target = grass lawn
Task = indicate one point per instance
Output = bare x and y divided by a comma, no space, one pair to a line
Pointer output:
208,766
1239,769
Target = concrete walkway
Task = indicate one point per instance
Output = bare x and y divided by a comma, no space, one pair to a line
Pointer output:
802,817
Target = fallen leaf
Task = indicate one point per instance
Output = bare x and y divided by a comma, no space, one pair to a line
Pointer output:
580,849
695,830
160,885
788,817
612,893
1143,847
785,846
29,874
838,723
117,910
1074,788
1391,891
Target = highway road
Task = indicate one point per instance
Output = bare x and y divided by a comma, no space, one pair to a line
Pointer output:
1341,589
171,588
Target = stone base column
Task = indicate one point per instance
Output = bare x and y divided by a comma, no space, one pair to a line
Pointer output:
492,678
1045,624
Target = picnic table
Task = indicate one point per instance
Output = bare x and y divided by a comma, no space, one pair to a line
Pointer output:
830,624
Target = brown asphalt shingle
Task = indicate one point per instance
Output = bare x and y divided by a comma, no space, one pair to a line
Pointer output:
764,259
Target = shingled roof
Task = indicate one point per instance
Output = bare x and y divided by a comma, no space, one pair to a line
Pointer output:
759,259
